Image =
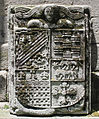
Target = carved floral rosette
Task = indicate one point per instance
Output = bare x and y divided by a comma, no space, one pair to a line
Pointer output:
49,59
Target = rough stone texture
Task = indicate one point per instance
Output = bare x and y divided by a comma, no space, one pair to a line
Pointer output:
95,13
4,56
95,91
47,60
95,56
3,82
95,23
36,2
95,19
93,3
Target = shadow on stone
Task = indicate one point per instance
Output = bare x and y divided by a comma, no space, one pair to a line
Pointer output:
94,55
95,92
3,80
94,77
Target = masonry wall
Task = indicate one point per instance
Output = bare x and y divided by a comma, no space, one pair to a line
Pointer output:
4,42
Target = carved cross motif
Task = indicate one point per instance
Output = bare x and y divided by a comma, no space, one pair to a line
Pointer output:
63,93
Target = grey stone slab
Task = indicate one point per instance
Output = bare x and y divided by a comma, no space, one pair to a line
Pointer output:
2,12
2,28
95,90
95,56
95,30
4,56
93,3
36,2
47,60
2,2
95,12
95,6
3,85
1,38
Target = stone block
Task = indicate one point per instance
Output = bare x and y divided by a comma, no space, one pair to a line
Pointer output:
1,38
4,56
93,3
3,29
95,7
1,2
36,2
3,85
95,56
2,10
95,30
2,21
47,60
95,90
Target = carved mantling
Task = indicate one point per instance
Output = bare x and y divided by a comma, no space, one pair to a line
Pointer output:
48,16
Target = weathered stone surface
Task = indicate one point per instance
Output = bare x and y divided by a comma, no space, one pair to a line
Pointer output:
2,30
95,91
95,27
4,56
2,10
37,2
93,3
1,2
95,57
1,25
95,12
47,60
3,88
5,31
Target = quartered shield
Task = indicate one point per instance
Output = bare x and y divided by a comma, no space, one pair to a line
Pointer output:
49,59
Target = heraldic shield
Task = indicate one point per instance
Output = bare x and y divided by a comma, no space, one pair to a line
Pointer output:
49,60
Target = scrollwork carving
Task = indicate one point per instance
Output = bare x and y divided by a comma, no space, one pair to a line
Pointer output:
51,16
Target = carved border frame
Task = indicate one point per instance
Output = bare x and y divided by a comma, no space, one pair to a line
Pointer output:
20,110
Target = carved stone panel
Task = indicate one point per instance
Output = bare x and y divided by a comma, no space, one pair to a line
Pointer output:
49,60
